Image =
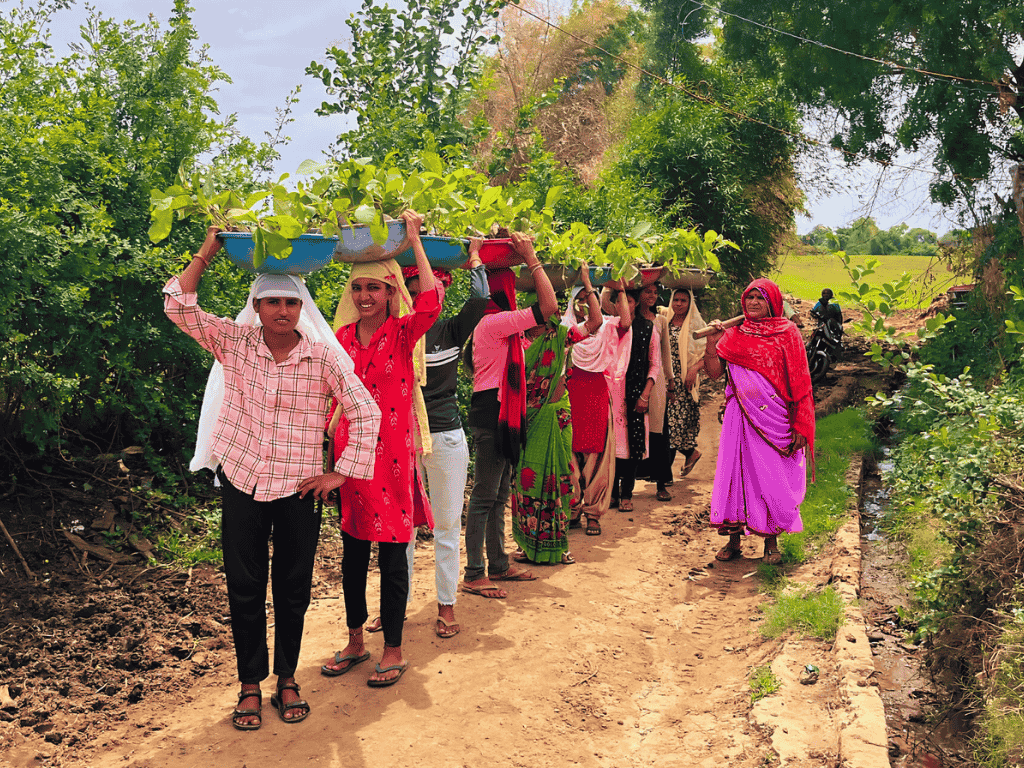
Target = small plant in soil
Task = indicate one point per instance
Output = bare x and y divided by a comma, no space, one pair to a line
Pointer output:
763,682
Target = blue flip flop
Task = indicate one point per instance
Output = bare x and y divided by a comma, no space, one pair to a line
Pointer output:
351,658
381,670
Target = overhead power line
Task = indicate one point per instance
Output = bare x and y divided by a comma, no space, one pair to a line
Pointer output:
886,62
717,105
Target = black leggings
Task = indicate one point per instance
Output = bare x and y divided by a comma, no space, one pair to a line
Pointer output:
392,559
625,478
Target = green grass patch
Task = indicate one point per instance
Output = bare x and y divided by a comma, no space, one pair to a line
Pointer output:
195,541
813,614
763,682
837,438
805,276
1001,739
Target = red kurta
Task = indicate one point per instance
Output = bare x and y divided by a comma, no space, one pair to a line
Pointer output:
393,503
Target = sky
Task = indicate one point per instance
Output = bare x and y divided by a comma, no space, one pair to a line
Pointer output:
266,45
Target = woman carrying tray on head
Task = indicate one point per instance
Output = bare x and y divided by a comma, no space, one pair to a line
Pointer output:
447,465
543,478
381,328
497,419
659,461
261,430
687,357
593,435
632,380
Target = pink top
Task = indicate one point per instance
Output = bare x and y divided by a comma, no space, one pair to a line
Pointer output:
269,436
491,338
392,503
616,376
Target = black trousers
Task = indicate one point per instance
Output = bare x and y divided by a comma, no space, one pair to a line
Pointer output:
247,528
392,559
625,478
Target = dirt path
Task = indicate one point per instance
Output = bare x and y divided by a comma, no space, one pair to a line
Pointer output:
619,660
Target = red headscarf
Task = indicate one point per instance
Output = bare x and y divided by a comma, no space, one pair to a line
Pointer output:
443,276
512,388
774,348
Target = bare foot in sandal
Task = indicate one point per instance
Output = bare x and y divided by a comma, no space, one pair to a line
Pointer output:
446,626
484,588
772,556
514,574
731,550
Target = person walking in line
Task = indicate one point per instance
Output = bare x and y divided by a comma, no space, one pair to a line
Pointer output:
447,465
262,431
543,481
593,435
497,419
768,426
687,358
632,381
381,328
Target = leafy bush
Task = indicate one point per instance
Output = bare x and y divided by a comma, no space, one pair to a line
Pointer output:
950,503
91,359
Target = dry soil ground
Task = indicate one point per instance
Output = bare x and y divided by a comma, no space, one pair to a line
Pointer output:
639,654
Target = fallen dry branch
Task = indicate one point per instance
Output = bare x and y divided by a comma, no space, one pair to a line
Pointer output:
107,555
17,551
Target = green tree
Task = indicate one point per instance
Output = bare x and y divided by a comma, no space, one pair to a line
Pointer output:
89,355
407,74
718,169
882,89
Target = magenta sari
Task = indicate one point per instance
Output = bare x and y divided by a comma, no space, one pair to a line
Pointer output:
757,488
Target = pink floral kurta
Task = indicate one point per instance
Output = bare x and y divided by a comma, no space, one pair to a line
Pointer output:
393,503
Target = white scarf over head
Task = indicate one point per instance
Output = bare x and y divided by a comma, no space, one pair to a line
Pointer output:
311,324
690,349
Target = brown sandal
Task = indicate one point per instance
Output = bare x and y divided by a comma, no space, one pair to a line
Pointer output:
238,714
727,553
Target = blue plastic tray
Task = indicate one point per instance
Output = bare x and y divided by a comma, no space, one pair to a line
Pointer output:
442,252
309,253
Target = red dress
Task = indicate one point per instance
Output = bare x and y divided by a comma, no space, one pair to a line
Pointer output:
393,503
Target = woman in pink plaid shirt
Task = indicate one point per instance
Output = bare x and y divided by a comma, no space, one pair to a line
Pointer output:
268,448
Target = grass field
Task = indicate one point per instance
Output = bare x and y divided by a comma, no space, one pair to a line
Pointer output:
805,276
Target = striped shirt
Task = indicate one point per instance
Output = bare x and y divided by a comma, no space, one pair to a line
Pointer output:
269,436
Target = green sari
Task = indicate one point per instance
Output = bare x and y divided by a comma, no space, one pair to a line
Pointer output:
543,482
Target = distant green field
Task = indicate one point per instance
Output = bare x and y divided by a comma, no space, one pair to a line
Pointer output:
805,276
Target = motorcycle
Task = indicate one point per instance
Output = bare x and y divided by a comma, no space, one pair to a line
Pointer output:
824,348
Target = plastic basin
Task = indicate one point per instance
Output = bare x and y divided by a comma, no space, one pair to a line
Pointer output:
442,252
356,244
309,253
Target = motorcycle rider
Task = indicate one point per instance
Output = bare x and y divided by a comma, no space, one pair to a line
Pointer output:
828,311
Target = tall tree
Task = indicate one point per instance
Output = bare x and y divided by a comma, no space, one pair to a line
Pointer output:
920,75
406,74
85,138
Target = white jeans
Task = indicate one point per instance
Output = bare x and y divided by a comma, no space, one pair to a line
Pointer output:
446,470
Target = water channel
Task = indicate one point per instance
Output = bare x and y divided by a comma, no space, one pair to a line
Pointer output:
923,729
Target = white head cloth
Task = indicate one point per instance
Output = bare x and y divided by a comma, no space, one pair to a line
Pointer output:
311,324
596,352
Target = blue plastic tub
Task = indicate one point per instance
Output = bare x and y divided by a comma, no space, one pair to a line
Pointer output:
442,252
309,253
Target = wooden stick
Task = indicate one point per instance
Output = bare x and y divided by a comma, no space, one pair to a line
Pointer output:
17,551
732,322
